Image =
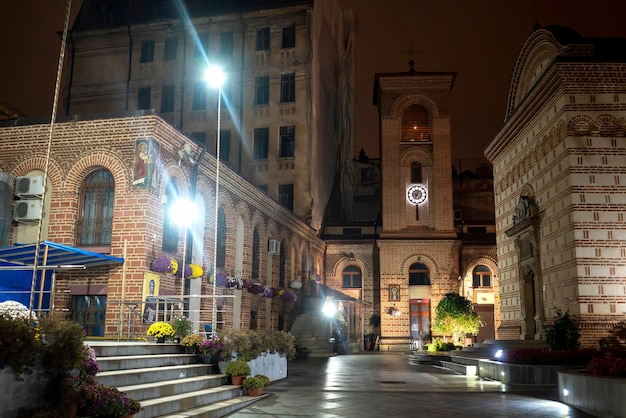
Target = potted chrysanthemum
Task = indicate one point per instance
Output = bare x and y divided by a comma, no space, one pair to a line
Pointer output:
161,331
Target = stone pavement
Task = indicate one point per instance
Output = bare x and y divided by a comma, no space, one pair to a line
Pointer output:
385,385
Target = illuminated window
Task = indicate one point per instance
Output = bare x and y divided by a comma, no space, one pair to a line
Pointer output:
481,277
351,277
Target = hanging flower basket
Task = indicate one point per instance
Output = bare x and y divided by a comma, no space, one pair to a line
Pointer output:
296,284
188,271
287,296
393,311
221,280
256,289
247,283
268,292
235,283
164,264
196,271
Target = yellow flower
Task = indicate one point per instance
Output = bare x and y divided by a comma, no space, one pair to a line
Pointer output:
173,266
161,330
196,271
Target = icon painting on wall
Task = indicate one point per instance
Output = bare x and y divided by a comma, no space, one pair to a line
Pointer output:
145,165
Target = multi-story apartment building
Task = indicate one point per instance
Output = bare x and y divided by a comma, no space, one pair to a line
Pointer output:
286,102
559,166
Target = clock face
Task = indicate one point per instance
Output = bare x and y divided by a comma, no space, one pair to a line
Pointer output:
416,194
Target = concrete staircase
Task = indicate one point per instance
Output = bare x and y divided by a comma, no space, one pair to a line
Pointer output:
167,382
312,330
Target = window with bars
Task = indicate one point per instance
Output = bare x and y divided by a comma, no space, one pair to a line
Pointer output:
263,39
285,195
289,36
143,98
89,311
167,98
147,51
287,88
287,141
170,48
262,90
95,224
261,143
170,228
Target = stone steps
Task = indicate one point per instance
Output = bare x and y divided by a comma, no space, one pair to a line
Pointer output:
167,382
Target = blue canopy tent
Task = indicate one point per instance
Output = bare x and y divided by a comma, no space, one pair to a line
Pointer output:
17,263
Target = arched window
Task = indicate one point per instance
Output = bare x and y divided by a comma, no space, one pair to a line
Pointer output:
481,276
419,275
303,266
221,239
96,220
351,277
256,248
415,124
170,228
281,268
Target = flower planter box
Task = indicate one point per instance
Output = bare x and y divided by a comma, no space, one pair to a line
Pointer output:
600,396
521,374
272,365
20,394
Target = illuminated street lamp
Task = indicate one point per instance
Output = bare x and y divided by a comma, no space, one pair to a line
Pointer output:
184,214
215,77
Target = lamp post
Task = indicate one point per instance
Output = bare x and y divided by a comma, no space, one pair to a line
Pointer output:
184,214
215,77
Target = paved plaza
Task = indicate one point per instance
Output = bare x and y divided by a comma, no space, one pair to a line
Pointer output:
386,385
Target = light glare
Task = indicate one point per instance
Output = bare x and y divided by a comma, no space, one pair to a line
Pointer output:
214,76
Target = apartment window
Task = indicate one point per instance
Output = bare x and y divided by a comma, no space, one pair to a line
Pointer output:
481,277
419,275
263,188
202,45
289,36
366,174
96,219
416,173
147,51
170,227
263,39
226,43
351,277
199,138
288,88
261,143
285,195
167,99
287,141
224,145
262,90
170,49
199,96
143,98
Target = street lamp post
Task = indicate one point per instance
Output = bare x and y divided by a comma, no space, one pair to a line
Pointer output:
184,213
215,77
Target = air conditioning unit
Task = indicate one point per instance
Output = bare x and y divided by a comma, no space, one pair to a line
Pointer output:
27,210
273,247
29,186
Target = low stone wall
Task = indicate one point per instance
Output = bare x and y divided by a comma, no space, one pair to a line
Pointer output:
521,374
599,396
20,394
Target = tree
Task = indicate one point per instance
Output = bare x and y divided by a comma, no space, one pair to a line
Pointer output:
455,316
564,334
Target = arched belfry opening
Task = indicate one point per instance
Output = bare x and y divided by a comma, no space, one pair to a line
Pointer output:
415,124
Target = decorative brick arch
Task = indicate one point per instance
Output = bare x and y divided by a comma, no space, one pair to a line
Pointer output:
425,259
90,161
416,155
36,162
580,125
173,171
409,99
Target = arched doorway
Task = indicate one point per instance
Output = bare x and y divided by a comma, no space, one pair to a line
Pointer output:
419,304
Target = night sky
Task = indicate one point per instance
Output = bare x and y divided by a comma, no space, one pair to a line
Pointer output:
478,39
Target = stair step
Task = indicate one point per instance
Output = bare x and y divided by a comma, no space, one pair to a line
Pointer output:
175,404
143,361
173,387
152,374
217,409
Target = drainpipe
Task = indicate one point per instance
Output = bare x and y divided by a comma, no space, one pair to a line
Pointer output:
130,58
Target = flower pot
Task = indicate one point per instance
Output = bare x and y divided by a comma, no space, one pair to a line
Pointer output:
237,380
160,340
255,391
206,359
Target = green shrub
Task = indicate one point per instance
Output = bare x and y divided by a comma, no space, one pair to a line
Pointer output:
248,344
20,346
237,368
257,381
563,335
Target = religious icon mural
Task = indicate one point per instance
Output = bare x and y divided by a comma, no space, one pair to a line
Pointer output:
151,283
145,164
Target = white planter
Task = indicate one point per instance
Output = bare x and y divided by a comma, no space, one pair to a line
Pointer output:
600,396
271,365
521,374
20,394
